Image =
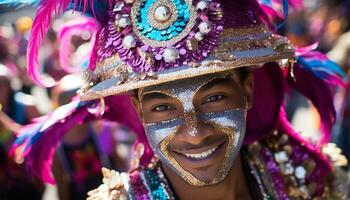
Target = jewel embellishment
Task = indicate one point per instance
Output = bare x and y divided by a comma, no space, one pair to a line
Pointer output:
153,35
163,22
162,14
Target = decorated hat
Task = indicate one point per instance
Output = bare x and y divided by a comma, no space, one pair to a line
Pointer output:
139,43
148,42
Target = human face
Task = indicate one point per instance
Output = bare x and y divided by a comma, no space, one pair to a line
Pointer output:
196,126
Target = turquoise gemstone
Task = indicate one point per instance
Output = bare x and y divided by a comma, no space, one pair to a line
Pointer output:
176,28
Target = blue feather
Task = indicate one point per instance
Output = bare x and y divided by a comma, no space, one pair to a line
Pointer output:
285,9
99,9
326,70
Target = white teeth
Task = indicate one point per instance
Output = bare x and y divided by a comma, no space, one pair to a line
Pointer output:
201,155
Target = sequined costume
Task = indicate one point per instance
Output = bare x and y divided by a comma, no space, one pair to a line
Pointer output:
278,167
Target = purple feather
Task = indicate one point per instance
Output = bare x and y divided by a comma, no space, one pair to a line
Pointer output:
37,142
41,24
284,126
320,95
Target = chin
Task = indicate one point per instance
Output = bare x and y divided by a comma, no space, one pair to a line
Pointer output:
209,170
209,176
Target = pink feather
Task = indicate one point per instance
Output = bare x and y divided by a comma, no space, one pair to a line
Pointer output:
274,11
41,24
300,51
46,10
93,55
294,4
75,27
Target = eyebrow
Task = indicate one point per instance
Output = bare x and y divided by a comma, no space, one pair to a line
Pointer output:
213,83
154,95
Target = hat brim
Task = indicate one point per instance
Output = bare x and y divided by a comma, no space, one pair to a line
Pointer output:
246,58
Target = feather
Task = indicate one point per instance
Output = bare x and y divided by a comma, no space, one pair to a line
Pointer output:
319,64
97,9
318,91
284,126
40,27
279,9
37,142
42,21
75,27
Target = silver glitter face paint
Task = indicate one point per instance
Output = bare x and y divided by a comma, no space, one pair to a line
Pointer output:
184,91
231,122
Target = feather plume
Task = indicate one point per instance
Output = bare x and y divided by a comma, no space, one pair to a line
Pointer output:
321,96
320,65
46,10
284,126
41,24
37,142
278,10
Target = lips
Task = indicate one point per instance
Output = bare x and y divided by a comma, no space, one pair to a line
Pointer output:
202,155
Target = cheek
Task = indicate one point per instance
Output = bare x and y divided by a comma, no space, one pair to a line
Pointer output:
150,116
157,132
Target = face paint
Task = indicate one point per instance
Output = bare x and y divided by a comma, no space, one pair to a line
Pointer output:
231,122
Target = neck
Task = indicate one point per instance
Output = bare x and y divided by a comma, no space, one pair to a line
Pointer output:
233,187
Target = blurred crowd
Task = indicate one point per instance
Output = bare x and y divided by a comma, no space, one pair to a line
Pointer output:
83,151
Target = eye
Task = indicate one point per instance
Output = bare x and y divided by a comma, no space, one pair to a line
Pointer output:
163,107
214,98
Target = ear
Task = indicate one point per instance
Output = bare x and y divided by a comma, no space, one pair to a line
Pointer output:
137,105
248,86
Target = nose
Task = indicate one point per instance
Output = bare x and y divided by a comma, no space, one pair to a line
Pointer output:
191,123
194,132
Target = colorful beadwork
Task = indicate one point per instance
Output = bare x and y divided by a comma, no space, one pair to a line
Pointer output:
150,35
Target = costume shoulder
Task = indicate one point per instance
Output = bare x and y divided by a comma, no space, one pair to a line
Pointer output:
286,168
114,186
147,183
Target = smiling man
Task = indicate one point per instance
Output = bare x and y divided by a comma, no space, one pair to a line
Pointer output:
196,128
202,83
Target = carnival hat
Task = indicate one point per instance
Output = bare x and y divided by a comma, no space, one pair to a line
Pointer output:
141,43
148,42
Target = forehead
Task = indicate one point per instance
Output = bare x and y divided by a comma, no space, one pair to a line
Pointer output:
185,86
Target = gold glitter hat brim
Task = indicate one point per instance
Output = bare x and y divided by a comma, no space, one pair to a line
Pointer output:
279,49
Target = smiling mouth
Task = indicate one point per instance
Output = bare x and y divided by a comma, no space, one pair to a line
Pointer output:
203,155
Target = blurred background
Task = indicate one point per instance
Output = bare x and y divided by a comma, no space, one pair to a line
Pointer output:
326,22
